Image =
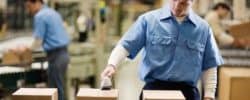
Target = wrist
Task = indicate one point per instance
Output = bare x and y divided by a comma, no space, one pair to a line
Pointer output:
113,66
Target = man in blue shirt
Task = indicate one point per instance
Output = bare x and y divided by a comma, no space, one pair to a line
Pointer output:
51,34
178,46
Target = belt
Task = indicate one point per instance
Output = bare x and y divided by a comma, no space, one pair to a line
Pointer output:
58,49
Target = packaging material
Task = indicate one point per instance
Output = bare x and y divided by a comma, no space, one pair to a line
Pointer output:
162,95
35,94
240,30
10,58
26,57
22,58
97,94
234,83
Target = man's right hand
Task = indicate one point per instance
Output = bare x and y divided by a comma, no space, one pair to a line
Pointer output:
109,71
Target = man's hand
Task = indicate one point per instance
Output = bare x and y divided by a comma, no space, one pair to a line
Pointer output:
109,71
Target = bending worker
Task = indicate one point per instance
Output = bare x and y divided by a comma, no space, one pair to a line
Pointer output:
214,18
51,35
178,48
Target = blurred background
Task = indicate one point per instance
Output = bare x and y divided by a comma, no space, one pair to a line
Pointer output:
106,21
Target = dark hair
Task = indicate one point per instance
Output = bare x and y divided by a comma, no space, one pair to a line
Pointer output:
33,1
222,5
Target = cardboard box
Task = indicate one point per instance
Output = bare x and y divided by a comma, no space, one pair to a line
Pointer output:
10,58
35,94
17,58
97,94
240,30
26,57
162,95
234,83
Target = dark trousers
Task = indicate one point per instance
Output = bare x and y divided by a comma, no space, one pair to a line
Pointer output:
190,93
58,62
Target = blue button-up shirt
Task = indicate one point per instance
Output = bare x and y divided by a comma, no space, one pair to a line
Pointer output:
172,51
48,26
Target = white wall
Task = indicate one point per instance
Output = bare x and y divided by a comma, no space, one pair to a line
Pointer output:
240,10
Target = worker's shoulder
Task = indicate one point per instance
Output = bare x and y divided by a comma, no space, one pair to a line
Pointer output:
46,13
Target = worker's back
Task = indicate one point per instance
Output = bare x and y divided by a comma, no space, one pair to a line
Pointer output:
49,27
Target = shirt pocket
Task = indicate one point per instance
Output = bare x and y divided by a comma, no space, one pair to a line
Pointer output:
159,52
161,40
194,46
191,53
188,61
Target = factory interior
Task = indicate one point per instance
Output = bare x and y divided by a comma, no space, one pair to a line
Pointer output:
61,50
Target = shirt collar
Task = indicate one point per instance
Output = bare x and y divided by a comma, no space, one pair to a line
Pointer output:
43,7
166,14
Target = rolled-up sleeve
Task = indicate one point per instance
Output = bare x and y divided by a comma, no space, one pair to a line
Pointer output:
39,28
212,56
134,39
